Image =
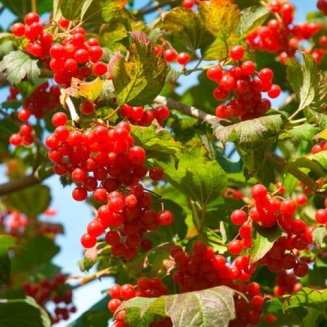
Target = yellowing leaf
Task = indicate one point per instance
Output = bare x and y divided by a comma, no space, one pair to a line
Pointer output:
89,90
221,17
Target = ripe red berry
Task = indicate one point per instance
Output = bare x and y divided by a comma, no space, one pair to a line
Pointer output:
127,291
274,91
321,216
31,18
100,68
156,173
79,194
183,58
115,291
248,67
59,119
88,241
238,217
214,73
235,247
237,52
18,29
170,55
165,217
258,192
24,115
227,82
266,74
113,305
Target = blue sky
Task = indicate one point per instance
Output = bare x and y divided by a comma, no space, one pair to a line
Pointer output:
75,216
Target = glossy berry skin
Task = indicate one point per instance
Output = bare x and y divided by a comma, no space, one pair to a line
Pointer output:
248,67
156,173
114,304
170,55
88,241
59,119
266,74
214,73
321,216
238,217
165,217
31,18
18,29
235,247
237,52
183,58
274,91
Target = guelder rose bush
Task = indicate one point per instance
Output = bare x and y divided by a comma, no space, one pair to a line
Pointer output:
207,206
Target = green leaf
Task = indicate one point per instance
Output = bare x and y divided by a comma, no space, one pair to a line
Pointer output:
21,7
319,234
213,307
5,268
141,311
71,9
6,242
304,79
35,251
139,79
201,179
319,102
300,133
185,25
220,17
263,241
156,142
96,316
249,131
23,312
18,65
251,18
31,201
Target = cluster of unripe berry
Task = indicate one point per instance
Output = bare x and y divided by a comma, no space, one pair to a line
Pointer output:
105,161
145,287
282,38
141,117
244,86
72,56
53,290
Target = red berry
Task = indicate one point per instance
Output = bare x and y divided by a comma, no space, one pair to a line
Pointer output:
31,18
266,74
183,58
88,241
237,52
238,217
115,291
235,247
114,304
127,291
156,173
248,67
259,192
170,55
18,29
165,217
79,194
59,119
100,68
274,91
321,216
214,73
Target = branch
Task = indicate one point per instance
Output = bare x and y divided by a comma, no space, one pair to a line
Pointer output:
155,8
189,110
278,161
20,184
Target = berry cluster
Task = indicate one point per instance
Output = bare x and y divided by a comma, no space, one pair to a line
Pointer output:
53,290
105,161
244,87
204,269
321,146
286,283
280,37
171,55
25,134
72,56
141,117
322,6
146,287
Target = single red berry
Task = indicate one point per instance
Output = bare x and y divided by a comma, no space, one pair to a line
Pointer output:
59,119
165,217
266,74
100,68
248,67
214,73
115,292
114,304
235,247
274,91
183,58
321,216
18,29
238,217
237,52
156,173
31,18
170,55
88,241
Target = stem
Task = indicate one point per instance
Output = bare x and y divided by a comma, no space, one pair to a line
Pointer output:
20,184
155,8
189,110
34,5
73,114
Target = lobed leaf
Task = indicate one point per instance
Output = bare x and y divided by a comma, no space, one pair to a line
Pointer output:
17,65
139,79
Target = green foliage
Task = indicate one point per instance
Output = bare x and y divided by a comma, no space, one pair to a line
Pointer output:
139,79
18,65
31,201
23,312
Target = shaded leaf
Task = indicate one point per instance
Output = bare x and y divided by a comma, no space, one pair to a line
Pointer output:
139,79
263,241
31,201
213,307
6,242
249,131
304,79
251,18
319,234
23,312
18,65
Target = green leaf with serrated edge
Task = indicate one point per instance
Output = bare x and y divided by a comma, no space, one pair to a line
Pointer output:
304,78
23,312
154,306
98,315
213,307
249,131
220,17
18,65
31,201
185,25
307,297
314,162
318,118
6,242
319,235
156,141
299,133
251,18
201,179
263,241
319,102
139,79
